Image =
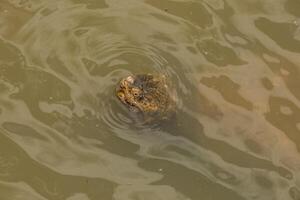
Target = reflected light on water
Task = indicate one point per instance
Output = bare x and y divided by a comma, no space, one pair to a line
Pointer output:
235,68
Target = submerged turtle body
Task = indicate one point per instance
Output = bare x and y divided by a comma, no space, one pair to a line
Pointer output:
147,94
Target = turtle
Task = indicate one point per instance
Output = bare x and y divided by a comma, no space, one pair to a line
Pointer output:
149,95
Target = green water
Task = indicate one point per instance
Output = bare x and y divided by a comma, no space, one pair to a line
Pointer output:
235,65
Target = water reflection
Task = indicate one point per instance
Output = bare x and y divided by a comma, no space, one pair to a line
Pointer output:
235,68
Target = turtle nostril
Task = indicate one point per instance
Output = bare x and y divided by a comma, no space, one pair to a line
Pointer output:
135,94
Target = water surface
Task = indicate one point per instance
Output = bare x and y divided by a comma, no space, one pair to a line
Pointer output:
235,66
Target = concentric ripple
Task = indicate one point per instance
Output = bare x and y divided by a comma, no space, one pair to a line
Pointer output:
94,51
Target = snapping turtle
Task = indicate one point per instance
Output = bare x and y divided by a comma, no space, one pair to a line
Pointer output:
149,95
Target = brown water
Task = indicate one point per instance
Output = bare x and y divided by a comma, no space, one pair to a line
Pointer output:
235,65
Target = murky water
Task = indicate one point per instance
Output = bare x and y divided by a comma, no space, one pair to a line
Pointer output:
235,65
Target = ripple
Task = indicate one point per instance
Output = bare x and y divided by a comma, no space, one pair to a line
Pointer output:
91,46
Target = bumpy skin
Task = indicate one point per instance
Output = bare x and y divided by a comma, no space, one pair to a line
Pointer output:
147,94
